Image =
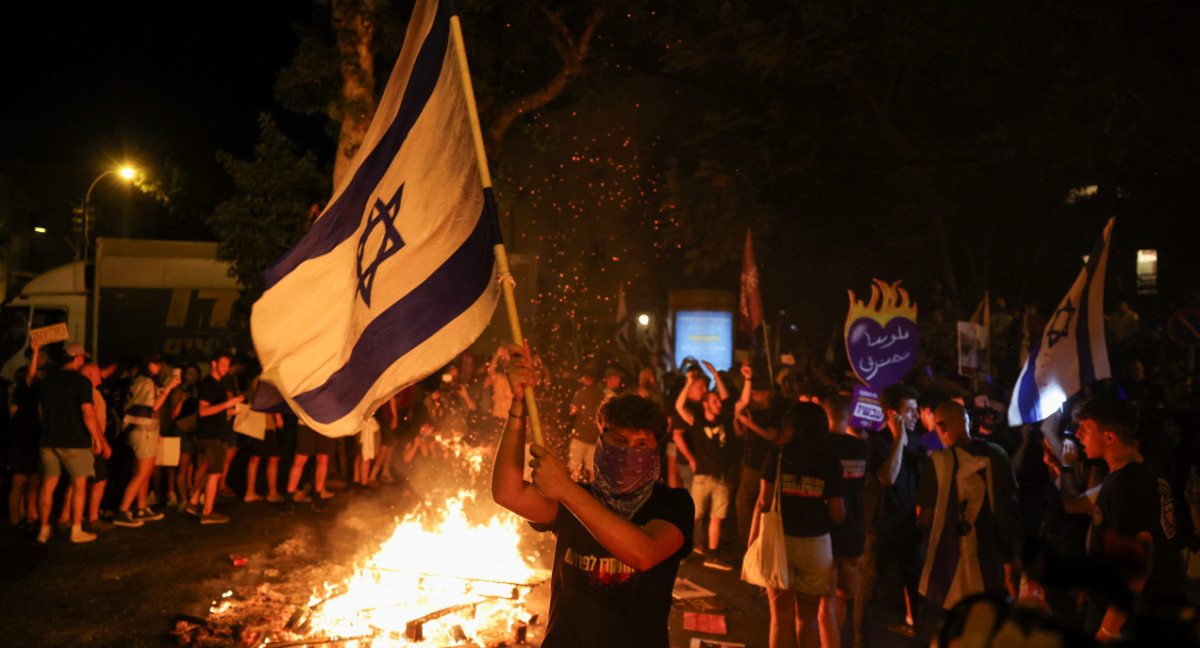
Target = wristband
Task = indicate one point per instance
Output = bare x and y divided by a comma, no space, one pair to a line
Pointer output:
516,416
1066,468
1109,633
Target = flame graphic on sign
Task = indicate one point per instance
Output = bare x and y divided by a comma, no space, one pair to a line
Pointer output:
887,303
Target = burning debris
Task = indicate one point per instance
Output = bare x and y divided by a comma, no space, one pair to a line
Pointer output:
454,572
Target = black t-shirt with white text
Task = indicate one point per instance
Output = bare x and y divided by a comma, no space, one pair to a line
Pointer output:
600,602
810,475
1133,500
714,444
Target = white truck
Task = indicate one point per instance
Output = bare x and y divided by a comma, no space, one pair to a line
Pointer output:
138,297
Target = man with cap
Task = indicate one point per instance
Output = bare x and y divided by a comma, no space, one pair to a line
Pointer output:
70,436
146,397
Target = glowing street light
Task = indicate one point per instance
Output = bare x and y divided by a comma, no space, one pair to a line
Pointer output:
40,230
643,319
126,172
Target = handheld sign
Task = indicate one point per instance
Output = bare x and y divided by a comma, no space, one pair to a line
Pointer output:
866,413
881,336
44,335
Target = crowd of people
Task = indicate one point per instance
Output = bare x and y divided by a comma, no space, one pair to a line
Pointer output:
946,502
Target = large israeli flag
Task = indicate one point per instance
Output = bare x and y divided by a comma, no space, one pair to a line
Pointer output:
397,276
1071,353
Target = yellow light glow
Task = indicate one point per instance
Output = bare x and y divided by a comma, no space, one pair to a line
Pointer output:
40,230
643,319
128,172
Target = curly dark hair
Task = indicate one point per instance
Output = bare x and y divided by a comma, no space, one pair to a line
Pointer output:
633,412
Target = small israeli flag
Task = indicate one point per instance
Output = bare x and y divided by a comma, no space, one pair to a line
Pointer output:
1071,353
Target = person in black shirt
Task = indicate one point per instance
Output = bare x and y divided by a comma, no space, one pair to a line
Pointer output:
849,537
893,471
620,539
70,436
210,439
711,449
758,424
1134,513
810,480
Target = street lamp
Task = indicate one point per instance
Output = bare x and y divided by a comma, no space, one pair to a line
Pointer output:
126,172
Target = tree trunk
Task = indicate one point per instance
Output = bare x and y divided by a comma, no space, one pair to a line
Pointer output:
356,103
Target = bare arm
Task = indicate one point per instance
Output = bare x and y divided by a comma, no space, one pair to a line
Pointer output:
682,447
766,496
32,366
721,390
837,509
207,409
509,488
890,469
681,402
93,426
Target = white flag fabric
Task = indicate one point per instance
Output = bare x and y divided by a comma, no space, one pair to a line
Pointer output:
1071,353
397,276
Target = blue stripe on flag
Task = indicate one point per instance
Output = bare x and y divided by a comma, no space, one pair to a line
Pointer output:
1027,391
343,218
442,297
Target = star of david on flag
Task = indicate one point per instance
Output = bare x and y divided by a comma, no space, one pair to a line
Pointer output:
398,275
1071,352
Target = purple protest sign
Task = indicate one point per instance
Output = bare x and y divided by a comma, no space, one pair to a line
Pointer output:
881,336
866,412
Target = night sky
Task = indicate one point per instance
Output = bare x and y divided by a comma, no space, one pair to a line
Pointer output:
167,85
145,82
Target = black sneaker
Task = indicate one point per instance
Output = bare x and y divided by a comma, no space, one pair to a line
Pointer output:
127,519
148,515
214,518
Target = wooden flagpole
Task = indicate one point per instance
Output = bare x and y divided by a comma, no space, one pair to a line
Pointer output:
506,282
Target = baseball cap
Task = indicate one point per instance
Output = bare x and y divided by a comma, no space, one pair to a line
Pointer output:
75,349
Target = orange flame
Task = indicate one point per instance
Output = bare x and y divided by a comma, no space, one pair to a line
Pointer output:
887,303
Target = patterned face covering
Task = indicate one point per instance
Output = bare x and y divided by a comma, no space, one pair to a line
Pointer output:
624,476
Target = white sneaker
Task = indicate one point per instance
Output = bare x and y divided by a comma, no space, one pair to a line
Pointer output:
79,536
44,534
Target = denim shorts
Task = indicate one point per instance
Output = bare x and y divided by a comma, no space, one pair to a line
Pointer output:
711,495
144,442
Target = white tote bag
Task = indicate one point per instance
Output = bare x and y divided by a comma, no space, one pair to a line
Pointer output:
766,563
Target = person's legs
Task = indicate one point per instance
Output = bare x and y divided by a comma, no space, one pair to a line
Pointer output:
827,619
720,508
230,451
183,477
64,514
45,503
94,498
807,606
273,479
783,618
747,495
15,497
32,487
320,474
78,499
251,480
211,482
135,488
867,576
294,475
